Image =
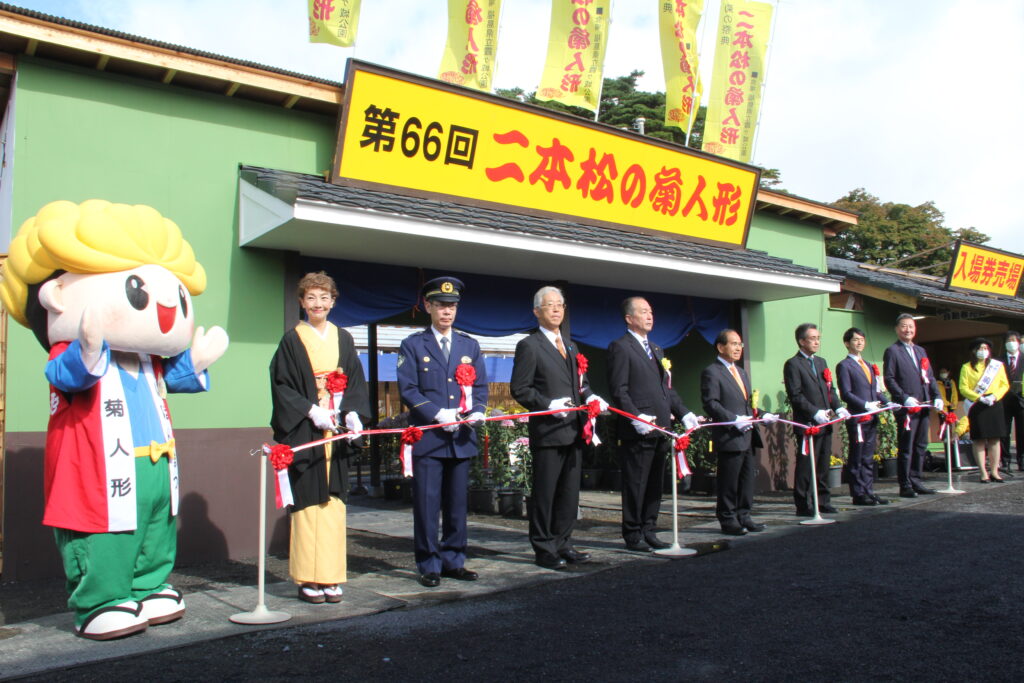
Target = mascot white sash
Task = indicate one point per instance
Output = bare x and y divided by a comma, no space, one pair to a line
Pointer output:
119,446
984,382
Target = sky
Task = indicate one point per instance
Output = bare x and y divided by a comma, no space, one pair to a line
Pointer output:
912,100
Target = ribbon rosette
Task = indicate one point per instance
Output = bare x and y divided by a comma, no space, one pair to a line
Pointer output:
948,420
860,420
410,435
281,456
465,376
336,383
667,364
810,431
581,367
826,374
879,383
680,445
925,366
911,410
590,426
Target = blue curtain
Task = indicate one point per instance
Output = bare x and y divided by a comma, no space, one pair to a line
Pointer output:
496,306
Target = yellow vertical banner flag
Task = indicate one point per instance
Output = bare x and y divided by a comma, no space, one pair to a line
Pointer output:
735,99
677,23
472,43
576,45
333,21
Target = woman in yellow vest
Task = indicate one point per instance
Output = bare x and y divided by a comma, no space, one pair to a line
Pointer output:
982,384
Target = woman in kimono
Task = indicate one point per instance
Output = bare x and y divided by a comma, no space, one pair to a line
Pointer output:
307,406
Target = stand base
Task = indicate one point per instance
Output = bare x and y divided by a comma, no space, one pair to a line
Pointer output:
260,615
817,521
951,490
675,551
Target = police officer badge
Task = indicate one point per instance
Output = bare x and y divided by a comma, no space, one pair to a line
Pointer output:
447,287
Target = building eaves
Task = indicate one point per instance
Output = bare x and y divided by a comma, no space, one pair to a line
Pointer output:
289,186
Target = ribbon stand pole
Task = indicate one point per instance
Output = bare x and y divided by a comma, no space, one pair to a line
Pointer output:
261,615
949,464
675,550
817,519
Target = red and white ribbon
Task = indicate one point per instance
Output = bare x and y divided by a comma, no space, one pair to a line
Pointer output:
911,410
948,420
409,436
590,426
465,376
682,467
336,383
581,368
813,430
281,456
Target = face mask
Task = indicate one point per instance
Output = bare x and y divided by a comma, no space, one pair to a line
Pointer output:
1012,346
943,375
981,353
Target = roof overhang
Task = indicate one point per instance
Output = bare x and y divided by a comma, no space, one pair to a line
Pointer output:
327,230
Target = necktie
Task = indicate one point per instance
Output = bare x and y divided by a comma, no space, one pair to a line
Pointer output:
559,345
444,347
867,373
1013,364
647,348
736,376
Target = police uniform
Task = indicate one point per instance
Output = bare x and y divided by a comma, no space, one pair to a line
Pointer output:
427,384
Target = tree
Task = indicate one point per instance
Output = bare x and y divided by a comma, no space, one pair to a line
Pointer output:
889,232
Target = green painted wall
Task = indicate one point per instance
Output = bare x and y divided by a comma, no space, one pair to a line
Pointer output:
81,134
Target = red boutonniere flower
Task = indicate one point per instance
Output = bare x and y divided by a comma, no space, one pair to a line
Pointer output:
336,382
465,375
827,374
925,364
875,370
581,363
281,456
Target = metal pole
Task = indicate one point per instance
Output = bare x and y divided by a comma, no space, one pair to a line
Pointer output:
949,464
817,519
675,550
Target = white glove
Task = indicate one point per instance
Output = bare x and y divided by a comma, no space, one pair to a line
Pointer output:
987,399
559,403
769,418
641,428
474,418
938,404
821,417
892,406
690,421
601,403
321,417
352,421
910,402
745,423
447,415
871,406
843,413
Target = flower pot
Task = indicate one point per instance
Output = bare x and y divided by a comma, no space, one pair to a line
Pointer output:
484,501
888,468
835,477
590,480
612,480
510,503
703,483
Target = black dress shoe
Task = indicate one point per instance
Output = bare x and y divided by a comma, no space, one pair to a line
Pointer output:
430,580
639,546
574,556
908,493
827,508
556,563
880,500
997,480
925,491
984,481
734,530
864,500
655,542
804,512
460,574
752,526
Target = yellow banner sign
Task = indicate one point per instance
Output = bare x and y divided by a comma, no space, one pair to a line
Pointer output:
333,21
472,43
576,44
736,81
985,270
425,138
678,22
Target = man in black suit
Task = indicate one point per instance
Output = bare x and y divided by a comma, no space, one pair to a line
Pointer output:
640,381
725,393
911,383
1013,402
545,376
859,389
809,388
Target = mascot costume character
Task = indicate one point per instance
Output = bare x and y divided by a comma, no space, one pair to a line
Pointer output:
106,288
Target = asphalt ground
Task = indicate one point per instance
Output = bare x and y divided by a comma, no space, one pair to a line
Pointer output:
928,589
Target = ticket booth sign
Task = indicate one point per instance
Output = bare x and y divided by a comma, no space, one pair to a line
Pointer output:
983,269
425,138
